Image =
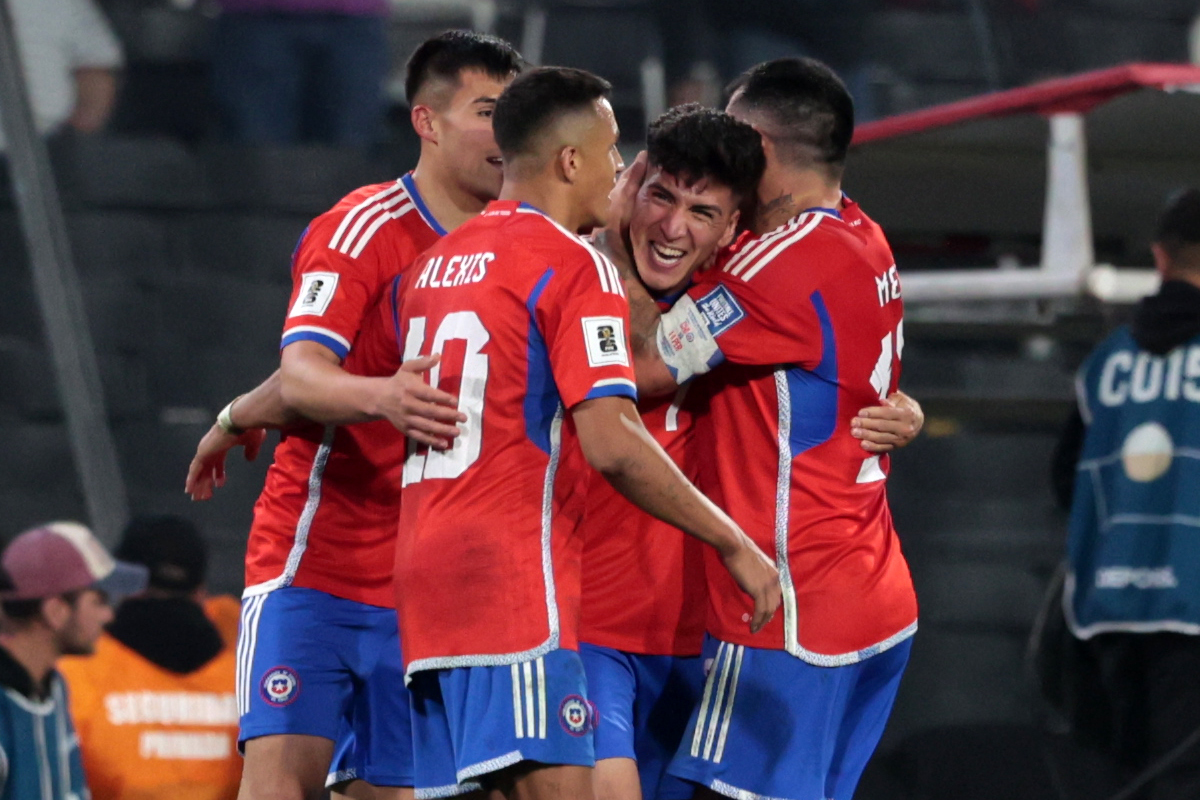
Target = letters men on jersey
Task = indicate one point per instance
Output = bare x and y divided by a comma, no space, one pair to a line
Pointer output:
326,519
811,338
530,321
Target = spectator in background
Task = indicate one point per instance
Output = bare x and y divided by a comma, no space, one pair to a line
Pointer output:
1132,592
292,71
70,59
155,706
718,40
62,581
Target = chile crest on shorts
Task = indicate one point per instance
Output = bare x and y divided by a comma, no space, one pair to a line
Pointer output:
280,686
578,715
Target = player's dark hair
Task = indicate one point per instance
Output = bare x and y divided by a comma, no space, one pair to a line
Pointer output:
808,107
539,98
446,55
694,142
1179,229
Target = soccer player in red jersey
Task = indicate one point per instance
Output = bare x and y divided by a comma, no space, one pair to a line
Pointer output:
530,322
318,656
643,598
808,316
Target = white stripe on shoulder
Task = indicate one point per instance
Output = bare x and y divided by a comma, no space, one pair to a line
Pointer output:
610,276
353,213
370,231
808,228
742,259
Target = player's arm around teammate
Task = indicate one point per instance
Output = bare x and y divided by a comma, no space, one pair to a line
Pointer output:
893,424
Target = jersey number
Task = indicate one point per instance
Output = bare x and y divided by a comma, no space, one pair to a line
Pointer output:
466,327
890,348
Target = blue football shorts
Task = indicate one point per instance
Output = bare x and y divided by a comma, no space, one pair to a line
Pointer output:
314,664
469,722
769,725
643,703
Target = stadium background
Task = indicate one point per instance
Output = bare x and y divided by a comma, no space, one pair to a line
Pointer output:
181,244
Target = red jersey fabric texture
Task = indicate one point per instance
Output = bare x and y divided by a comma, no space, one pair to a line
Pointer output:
809,320
530,321
326,518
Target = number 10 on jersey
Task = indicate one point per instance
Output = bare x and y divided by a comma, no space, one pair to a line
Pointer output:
465,327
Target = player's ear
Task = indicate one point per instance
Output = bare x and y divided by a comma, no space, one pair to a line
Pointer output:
730,229
423,122
568,163
1162,259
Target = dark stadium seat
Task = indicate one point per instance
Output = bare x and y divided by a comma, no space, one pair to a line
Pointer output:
36,456
976,595
302,180
926,46
579,34
118,244
120,314
207,378
115,172
27,390
216,310
251,246
20,510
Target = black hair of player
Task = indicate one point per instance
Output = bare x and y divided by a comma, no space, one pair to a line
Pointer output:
1179,229
538,98
447,54
810,109
693,142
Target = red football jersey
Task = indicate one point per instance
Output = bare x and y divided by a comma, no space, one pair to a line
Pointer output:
326,518
643,580
809,318
530,320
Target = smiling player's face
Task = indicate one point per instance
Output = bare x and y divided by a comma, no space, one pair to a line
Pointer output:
465,134
599,163
677,226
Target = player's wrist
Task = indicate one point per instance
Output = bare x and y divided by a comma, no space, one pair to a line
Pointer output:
225,419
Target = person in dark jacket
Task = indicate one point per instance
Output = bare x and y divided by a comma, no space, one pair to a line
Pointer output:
1132,590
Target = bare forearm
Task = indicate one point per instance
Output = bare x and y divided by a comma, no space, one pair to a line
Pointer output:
323,392
263,407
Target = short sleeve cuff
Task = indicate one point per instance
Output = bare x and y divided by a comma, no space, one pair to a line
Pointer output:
613,387
323,336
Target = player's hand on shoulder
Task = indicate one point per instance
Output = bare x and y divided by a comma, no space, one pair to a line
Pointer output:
758,577
886,427
207,470
419,411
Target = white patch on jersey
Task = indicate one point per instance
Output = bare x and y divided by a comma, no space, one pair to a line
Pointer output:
316,293
605,338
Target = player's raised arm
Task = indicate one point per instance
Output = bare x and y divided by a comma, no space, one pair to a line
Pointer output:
617,445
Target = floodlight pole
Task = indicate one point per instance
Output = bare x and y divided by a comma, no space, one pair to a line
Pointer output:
56,285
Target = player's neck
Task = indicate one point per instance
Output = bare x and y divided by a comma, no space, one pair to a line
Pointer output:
545,198
785,193
449,204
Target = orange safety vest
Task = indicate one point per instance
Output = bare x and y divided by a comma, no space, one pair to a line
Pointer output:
147,733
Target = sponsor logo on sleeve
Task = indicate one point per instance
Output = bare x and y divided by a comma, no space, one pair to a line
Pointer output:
721,310
605,338
316,293
280,686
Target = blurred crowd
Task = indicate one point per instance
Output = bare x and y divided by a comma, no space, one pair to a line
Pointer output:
119,672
